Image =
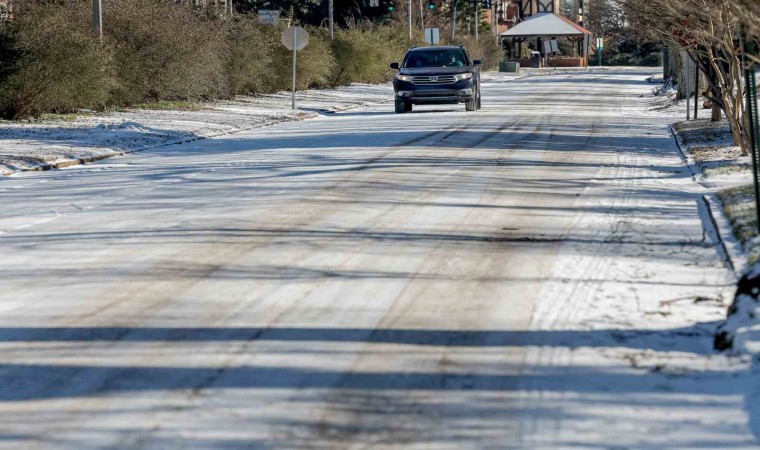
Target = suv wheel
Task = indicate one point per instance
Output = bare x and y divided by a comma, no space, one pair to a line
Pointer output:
471,105
402,106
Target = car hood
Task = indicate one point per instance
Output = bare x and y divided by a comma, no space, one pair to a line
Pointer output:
435,71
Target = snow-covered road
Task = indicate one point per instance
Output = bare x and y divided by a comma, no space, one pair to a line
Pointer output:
532,276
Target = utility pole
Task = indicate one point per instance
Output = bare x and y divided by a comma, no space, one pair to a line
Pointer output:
330,19
97,17
230,8
477,19
453,19
422,17
696,90
494,16
409,13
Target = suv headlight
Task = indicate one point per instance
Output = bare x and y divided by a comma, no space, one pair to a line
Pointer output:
463,76
404,77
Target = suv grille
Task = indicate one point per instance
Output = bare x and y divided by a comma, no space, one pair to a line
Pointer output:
432,79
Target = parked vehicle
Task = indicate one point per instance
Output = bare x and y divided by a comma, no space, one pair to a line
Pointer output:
437,76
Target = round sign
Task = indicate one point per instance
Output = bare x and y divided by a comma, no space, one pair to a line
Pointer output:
295,38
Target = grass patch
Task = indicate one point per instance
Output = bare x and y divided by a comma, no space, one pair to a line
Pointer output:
59,117
739,206
171,105
704,132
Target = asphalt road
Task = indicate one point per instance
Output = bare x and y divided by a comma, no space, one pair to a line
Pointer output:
364,279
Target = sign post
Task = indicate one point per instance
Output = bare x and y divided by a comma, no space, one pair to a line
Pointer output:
687,81
599,48
295,38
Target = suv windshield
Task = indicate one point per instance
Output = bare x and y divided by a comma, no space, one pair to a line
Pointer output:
436,58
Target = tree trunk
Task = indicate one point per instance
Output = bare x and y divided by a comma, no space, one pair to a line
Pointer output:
717,114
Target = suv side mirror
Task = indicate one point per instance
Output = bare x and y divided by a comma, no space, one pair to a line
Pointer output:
394,66
477,62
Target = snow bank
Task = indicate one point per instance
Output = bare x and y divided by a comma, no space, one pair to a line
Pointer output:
741,331
50,143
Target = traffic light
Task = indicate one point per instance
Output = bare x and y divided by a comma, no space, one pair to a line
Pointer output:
486,4
431,5
389,5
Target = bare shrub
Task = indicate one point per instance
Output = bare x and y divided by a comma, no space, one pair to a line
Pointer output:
165,51
485,49
251,47
53,62
362,56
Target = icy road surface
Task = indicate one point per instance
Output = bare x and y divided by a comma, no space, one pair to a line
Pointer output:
532,276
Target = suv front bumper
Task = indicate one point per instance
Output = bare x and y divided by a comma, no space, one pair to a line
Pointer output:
458,92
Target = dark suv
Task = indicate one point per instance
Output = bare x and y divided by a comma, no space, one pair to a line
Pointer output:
437,76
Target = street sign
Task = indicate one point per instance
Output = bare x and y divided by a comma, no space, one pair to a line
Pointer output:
433,36
374,3
600,43
270,16
295,38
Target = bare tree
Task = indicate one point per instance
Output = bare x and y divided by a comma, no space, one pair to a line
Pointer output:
709,31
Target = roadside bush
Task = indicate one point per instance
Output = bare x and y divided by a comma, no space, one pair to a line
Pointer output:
486,50
170,52
251,46
359,57
165,51
52,62
622,59
363,53
652,60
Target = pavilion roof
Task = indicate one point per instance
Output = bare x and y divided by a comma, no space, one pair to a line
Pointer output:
546,24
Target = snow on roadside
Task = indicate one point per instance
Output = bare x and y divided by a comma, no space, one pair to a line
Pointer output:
726,175
31,145
640,295
723,171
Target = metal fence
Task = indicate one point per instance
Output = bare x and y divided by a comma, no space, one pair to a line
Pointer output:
753,117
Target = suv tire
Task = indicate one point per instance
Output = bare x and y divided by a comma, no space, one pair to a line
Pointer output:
471,105
402,107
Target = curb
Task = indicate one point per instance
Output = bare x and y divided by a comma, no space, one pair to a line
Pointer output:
715,233
731,245
728,247
693,168
91,159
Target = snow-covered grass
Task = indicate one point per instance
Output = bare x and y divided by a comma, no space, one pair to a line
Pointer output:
710,145
60,140
739,206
